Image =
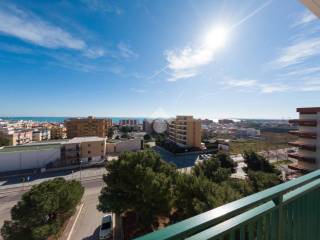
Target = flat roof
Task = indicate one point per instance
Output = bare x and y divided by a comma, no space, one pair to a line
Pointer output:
23,148
85,139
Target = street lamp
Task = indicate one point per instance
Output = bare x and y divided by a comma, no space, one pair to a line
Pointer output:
80,168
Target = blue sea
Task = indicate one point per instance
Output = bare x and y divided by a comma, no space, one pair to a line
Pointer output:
61,119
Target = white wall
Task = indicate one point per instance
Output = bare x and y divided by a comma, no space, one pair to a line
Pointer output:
22,160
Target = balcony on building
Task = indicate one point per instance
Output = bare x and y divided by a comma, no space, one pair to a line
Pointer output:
303,145
287,211
304,122
311,135
302,157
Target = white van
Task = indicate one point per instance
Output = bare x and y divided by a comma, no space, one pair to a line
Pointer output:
106,227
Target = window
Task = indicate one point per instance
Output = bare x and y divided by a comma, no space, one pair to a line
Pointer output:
89,152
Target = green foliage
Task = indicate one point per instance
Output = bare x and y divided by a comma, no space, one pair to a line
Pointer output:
140,182
147,137
226,161
262,180
256,162
42,211
194,195
217,169
110,132
126,129
4,142
243,187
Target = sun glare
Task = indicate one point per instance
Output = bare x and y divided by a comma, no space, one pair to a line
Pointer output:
216,38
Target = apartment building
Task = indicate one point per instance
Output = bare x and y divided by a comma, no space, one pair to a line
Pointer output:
308,142
16,136
41,134
84,149
313,5
87,127
58,132
185,131
128,122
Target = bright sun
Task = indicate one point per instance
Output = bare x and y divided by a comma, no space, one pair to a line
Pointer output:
216,38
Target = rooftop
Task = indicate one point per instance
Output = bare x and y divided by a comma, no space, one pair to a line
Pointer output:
24,148
86,139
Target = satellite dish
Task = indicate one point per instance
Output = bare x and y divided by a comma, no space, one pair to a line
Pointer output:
160,125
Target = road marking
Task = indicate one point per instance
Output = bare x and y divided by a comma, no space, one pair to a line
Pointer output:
74,223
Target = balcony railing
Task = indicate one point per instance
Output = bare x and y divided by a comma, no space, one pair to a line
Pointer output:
302,145
311,135
304,122
301,157
287,211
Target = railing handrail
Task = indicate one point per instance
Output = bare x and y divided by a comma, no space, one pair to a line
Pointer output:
207,219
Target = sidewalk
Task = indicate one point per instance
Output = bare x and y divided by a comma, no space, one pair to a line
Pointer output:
85,174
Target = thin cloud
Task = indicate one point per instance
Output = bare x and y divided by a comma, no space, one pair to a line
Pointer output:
27,27
304,18
298,52
124,51
103,6
252,85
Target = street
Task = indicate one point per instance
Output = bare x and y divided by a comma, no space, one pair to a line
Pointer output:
87,225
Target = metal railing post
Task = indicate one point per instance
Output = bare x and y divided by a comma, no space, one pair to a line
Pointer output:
279,202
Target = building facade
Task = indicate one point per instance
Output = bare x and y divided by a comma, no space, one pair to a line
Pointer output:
128,122
185,131
120,146
41,134
58,132
308,143
18,158
16,136
87,127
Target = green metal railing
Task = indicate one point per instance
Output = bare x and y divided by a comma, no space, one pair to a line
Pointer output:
289,211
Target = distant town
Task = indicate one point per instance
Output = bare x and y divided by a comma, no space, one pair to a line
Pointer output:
37,146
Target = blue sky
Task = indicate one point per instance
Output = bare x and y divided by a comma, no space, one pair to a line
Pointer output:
156,58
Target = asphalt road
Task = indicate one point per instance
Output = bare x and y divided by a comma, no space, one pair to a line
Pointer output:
87,225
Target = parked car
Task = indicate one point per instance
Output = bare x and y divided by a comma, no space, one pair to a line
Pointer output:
106,227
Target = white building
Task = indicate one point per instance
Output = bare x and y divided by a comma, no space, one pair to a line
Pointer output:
28,157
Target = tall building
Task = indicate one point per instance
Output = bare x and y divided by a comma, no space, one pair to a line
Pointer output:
58,132
308,143
87,127
185,131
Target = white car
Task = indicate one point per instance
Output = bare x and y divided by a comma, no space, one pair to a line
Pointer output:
106,227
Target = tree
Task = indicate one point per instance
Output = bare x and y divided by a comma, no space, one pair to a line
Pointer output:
110,132
256,162
4,142
226,161
262,180
147,137
42,211
139,182
212,170
194,195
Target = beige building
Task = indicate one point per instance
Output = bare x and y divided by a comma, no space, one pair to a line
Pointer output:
313,5
185,131
87,127
58,132
120,146
308,143
16,136
85,149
